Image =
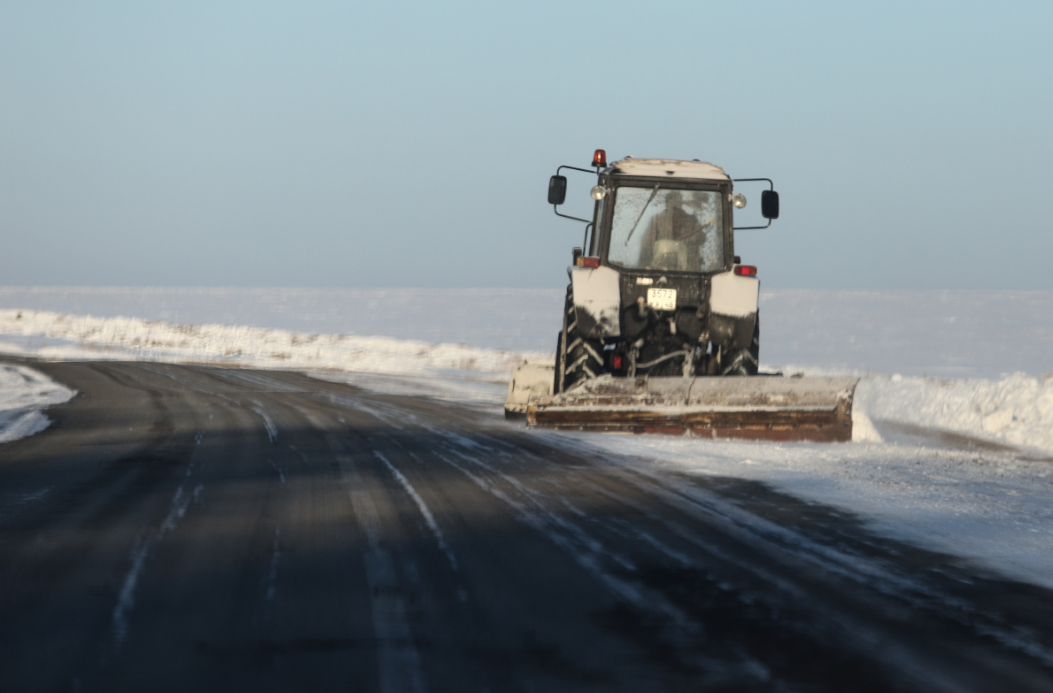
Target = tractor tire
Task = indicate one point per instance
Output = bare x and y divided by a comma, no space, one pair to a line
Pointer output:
577,359
557,386
743,361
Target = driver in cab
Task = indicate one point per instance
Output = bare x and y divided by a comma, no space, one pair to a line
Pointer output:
673,238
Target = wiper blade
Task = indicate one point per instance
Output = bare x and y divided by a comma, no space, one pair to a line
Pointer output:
649,200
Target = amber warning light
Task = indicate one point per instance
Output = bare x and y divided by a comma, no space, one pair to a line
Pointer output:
599,159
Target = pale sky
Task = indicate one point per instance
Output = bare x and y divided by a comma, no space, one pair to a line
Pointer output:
410,144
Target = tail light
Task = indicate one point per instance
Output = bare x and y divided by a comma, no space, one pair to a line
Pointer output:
616,362
599,159
587,262
746,270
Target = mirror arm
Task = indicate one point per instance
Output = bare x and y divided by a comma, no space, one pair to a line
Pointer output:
575,168
771,186
567,216
589,221
747,228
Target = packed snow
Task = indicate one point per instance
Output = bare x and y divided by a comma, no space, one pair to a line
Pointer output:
953,421
24,393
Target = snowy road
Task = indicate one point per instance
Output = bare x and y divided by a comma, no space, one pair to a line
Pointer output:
192,528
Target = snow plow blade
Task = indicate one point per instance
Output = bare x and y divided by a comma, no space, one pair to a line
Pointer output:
750,408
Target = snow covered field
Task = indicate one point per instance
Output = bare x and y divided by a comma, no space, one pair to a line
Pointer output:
977,365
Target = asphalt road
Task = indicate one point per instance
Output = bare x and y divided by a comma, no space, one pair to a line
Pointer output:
198,529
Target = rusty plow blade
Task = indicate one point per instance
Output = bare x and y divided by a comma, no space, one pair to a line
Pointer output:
752,407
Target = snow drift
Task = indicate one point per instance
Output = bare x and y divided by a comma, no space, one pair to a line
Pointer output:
87,337
23,394
1015,410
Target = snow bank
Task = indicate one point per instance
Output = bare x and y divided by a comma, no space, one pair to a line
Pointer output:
1016,410
87,337
947,334
509,319
23,393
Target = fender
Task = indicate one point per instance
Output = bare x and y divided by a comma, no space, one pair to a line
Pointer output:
597,301
733,309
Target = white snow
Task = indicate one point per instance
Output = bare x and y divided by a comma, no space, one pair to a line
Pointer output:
670,168
24,392
972,364
508,319
1015,410
944,334
86,337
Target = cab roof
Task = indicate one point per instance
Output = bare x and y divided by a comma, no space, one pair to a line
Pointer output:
668,168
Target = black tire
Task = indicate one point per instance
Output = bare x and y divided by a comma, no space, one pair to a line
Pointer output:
557,386
577,358
743,361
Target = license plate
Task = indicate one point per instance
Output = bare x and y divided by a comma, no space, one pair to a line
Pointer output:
662,299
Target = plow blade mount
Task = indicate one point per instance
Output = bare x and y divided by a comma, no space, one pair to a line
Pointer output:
750,407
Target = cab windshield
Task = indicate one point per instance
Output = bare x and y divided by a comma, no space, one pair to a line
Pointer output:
657,229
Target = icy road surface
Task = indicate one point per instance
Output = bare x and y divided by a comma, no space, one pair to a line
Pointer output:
193,528
961,494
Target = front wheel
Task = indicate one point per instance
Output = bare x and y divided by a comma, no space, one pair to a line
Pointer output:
744,361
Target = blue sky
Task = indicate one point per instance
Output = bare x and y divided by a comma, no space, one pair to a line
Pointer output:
410,144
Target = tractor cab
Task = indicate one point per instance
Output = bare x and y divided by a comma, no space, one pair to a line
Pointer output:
665,223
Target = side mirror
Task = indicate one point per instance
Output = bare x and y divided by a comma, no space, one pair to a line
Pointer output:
769,204
557,190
